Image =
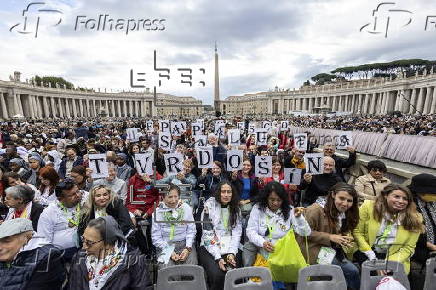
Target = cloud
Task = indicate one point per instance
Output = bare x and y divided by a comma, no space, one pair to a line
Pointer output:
261,43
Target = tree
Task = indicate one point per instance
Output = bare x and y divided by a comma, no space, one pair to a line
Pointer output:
46,80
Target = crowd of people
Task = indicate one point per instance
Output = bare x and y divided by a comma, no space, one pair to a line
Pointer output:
424,125
82,232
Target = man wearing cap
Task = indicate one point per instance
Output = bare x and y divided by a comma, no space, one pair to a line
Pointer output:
58,222
28,261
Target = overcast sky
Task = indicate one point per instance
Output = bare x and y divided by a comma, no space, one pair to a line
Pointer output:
261,44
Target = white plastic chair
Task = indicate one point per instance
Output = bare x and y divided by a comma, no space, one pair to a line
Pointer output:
368,282
337,281
169,278
242,275
430,275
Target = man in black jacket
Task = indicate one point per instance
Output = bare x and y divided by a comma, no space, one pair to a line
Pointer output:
340,163
27,261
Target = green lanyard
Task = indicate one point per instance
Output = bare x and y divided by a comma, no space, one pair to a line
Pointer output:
169,218
75,221
225,218
384,236
270,227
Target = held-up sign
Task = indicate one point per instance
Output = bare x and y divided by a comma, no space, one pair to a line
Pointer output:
292,176
241,126
266,125
201,121
344,140
149,126
98,164
300,141
205,157
234,137
263,166
200,141
164,126
173,163
314,163
197,129
251,127
165,141
261,136
144,163
234,160
132,134
219,130
177,128
284,125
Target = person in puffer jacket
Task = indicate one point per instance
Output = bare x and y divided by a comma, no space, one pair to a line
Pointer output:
28,261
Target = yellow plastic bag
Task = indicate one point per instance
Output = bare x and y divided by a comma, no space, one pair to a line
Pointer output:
286,260
259,262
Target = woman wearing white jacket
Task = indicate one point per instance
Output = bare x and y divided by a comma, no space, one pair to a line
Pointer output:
222,230
270,219
170,232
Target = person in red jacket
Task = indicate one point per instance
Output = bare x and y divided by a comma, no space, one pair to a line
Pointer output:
141,195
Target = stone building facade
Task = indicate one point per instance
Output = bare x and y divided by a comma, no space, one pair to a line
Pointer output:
18,98
373,96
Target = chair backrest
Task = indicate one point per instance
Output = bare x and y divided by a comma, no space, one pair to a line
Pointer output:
369,282
430,275
242,276
336,279
181,277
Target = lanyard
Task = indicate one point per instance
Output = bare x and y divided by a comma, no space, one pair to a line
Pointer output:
75,220
169,217
384,236
225,218
270,227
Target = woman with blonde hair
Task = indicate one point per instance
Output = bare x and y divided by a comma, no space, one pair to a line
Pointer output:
102,201
389,226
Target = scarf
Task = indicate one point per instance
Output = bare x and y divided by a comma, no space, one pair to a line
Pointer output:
428,211
99,271
13,214
172,215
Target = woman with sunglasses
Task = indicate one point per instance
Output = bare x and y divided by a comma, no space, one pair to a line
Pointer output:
106,261
370,185
102,201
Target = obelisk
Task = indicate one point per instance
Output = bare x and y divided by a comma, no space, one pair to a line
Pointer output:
217,85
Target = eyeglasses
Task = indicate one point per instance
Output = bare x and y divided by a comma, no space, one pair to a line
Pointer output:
89,243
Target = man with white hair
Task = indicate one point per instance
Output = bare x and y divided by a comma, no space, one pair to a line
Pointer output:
28,261
320,184
340,163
